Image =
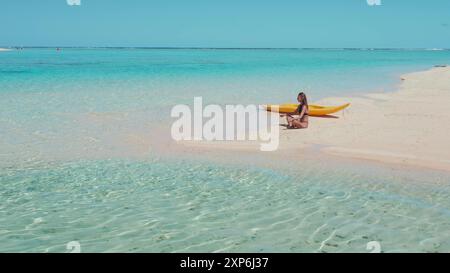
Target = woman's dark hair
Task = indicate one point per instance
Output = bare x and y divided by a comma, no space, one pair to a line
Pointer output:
304,99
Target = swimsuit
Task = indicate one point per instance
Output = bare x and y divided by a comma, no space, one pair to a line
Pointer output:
300,109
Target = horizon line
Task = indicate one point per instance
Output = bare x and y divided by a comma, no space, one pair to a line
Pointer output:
227,48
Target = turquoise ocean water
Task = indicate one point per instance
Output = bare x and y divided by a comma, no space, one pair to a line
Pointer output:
66,174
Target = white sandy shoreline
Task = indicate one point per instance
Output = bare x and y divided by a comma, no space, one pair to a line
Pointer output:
408,127
4,49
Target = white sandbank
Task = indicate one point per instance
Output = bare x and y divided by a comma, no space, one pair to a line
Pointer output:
410,126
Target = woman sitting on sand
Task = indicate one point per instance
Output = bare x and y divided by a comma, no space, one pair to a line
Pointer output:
299,119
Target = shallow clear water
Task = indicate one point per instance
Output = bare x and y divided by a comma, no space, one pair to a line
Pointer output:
179,206
69,120
251,76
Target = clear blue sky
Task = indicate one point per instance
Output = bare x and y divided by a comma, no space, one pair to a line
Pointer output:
226,23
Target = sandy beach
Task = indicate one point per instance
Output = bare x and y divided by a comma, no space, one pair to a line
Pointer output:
408,127
4,49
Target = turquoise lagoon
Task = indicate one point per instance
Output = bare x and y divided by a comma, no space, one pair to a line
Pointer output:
60,182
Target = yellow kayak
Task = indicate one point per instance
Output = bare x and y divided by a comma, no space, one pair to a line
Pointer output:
314,110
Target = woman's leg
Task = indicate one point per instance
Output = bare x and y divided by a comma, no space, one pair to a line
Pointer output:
299,125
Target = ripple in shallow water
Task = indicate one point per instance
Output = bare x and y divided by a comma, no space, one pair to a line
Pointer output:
162,206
